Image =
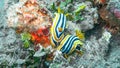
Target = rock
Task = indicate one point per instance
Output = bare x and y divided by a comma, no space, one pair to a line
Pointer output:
20,61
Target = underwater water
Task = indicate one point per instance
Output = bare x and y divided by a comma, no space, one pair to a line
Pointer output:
59,33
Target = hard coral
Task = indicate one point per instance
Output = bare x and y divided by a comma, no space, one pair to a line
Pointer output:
29,16
112,24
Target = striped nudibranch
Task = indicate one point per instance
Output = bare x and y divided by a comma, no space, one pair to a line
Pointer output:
69,44
57,29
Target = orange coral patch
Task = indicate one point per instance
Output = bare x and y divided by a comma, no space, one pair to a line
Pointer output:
102,1
41,36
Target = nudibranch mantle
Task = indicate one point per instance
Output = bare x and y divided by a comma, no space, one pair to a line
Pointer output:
69,44
57,29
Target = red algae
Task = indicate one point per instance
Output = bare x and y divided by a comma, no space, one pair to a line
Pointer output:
100,1
41,36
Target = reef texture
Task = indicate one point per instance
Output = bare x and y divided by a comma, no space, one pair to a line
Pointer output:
25,33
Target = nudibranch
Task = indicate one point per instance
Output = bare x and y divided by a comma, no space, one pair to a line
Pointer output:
57,29
70,44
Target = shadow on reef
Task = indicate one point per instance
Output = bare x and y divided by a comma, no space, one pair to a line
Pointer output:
114,44
96,31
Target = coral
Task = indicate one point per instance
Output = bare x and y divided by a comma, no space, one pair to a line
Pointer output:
42,51
89,15
59,61
11,49
41,36
28,16
99,1
110,13
101,48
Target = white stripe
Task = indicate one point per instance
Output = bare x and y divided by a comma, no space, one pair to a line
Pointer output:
66,46
64,21
71,45
59,24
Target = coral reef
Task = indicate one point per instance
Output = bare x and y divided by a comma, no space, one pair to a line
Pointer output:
95,52
26,29
28,16
110,13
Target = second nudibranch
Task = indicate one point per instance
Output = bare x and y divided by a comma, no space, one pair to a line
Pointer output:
70,44
57,29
